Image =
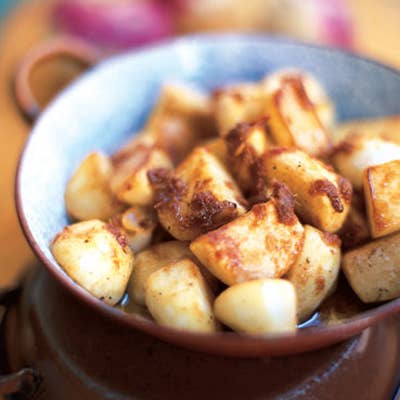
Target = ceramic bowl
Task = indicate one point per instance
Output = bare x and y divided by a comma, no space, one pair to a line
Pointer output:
112,100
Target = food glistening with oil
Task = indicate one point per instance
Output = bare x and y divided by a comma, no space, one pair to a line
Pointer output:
238,209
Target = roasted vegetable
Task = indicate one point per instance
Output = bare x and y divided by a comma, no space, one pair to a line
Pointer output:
181,118
217,147
197,197
177,296
323,105
151,260
233,177
138,224
387,128
323,197
263,243
263,306
382,196
129,182
357,152
293,119
96,256
315,271
244,102
373,270
88,194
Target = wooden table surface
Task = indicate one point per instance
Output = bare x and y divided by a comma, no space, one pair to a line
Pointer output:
377,31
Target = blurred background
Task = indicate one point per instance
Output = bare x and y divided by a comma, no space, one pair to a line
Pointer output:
368,27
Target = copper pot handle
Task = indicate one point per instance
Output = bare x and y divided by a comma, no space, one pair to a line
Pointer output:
26,381
76,49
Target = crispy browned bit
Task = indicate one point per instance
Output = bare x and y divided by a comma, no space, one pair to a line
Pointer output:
167,188
346,189
284,202
118,234
207,212
168,191
331,239
204,211
323,186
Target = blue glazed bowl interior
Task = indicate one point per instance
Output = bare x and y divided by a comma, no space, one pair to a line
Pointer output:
103,108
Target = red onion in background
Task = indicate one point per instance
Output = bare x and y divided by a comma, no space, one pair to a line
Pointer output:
334,22
116,24
119,24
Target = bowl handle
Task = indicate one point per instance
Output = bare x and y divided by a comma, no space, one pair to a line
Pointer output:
25,382
60,46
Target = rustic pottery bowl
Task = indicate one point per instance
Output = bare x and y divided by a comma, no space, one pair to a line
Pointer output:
104,107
